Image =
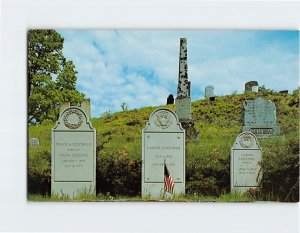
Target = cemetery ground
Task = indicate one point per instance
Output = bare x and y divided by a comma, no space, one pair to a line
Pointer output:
118,171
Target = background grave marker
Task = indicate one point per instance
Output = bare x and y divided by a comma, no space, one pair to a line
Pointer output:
260,117
34,142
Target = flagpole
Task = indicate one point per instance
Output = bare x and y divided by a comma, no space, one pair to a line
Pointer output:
164,177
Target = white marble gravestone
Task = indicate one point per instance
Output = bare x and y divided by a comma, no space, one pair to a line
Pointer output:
73,154
34,142
245,171
260,117
209,91
163,139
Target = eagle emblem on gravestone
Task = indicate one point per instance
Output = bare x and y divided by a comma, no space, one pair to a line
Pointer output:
163,119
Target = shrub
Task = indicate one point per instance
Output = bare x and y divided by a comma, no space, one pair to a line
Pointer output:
281,171
208,176
118,175
39,173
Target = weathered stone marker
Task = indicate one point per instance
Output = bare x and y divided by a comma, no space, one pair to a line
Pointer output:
284,92
170,99
34,142
163,139
260,117
183,100
245,171
251,86
209,91
73,155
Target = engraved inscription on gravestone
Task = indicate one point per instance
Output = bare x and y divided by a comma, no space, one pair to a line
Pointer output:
73,157
245,156
163,140
260,117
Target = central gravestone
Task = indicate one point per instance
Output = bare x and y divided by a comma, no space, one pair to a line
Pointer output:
73,157
163,142
260,117
246,155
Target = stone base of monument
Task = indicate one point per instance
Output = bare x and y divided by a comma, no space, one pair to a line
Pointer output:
72,189
156,190
183,108
191,133
262,132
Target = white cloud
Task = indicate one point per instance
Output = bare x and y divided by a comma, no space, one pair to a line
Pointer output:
140,67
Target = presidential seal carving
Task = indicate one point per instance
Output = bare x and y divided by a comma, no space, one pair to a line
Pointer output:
73,118
246,141
163,119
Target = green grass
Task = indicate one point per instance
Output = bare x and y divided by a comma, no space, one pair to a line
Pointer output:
234,197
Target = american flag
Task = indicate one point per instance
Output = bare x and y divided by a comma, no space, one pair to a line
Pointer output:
169,182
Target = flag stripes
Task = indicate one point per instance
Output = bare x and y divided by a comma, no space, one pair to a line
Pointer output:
169,182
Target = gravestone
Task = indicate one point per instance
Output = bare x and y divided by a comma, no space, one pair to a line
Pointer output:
183,100
284,92
170,99
34,142
73,154
251,86
86,106
245,171
260,117
209,91
163,141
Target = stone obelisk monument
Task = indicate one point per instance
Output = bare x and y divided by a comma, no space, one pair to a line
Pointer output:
183,100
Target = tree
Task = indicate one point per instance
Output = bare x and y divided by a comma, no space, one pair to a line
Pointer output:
51,77
262,89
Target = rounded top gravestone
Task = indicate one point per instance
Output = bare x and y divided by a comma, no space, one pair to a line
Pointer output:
170,99
163,119
246,140
73,153
251,86
73,118
163,147
245,169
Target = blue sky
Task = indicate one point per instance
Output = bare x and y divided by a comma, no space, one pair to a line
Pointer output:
140,67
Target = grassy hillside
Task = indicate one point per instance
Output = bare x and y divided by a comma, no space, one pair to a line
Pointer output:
207,160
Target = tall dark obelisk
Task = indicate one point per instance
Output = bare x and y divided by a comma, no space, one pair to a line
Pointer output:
183,100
